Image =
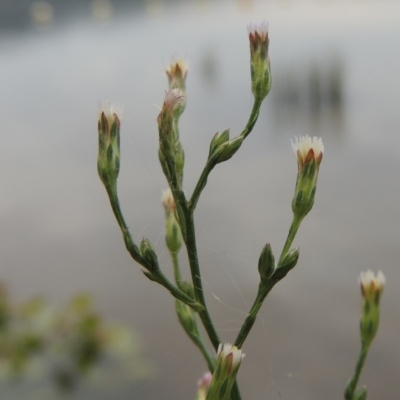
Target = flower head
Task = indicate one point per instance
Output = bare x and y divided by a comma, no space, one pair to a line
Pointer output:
307,148
202,386
109,143
309,152
174,103
259,60
229,358
177,72
371,290
258,32
371,284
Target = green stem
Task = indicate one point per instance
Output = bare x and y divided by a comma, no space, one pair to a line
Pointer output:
294,227
129,244
255,112
135,252
175,263
211,163
235,393
210,360
201,183
352,385
190,241
263,290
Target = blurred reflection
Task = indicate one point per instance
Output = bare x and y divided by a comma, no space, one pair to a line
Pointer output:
312,94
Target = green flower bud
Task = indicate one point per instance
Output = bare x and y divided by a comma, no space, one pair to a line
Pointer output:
187,318
173,237
361,394
371,290
218,140
288,262
149,255
260,66
266,263
109,144
228,149
309,152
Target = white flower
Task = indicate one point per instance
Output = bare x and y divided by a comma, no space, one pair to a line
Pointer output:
260,29
370,284
307,148
231,354
110,110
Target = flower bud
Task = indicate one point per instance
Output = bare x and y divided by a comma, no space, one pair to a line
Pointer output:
168,202
371,290
228,149
259,60
309,152
187,318
177,72
109,144
229,358
149,255
218,140
172,108
266,263
361,394
173,236
202,386
287,263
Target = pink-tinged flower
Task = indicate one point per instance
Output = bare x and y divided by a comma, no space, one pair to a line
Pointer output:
231,356
258,32
170,147
307,149
202,386
109,143
371,284
174,99
177,72
260,66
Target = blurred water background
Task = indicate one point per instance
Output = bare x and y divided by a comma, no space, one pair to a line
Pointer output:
335,75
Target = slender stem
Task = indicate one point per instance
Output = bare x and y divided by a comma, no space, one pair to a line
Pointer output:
191,248
177,271
252,119
263,290
129,244
134,251
211,162
201,183
294,227
352,385
210,360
